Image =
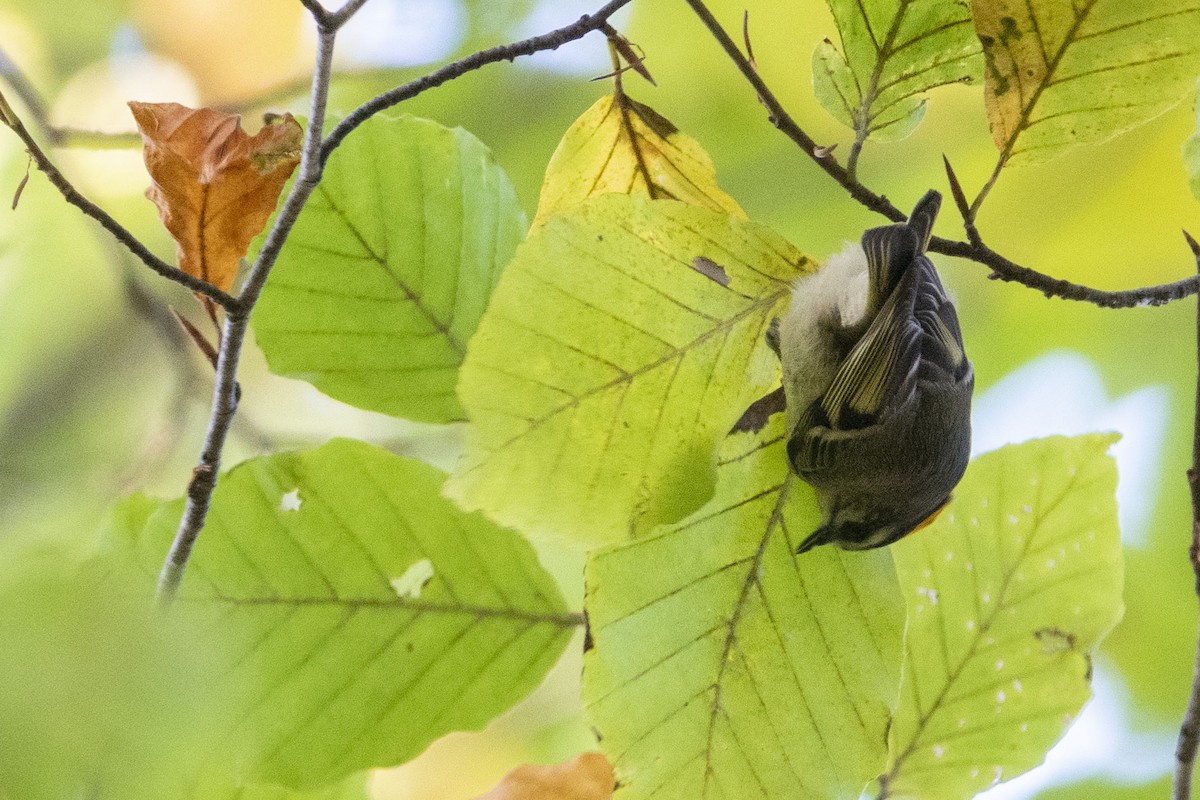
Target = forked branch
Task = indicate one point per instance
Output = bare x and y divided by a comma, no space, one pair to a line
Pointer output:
316,152
1002,268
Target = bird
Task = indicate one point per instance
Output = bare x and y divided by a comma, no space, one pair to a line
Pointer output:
878,386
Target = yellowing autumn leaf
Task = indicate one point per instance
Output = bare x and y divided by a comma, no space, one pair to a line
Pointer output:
585,777
625,147
214,184
1066,72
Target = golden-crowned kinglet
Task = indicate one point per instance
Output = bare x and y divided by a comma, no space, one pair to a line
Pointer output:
878,387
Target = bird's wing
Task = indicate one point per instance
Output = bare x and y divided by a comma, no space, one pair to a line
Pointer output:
942,346
890,251
880,372
923,215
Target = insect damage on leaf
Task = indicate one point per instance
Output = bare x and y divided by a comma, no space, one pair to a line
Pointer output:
215,185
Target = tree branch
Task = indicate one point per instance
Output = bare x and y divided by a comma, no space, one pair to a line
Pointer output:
507,52
118,231
312,163
1001,268
1189,729
225,391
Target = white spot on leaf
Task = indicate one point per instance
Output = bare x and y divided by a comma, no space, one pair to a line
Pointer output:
290,501
413,580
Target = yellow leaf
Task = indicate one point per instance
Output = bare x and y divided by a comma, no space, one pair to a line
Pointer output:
1065,72
215,185
624,147
586,777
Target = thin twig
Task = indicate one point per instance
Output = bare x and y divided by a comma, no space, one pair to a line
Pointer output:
343,14
1189,729
788,126
25,91
225,395
237,318
1004,269
507,52
1001,268
72,195
318,11
82,139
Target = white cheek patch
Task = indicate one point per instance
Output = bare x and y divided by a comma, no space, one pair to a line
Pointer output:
834,295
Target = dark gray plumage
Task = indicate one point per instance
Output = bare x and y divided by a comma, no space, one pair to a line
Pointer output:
884,432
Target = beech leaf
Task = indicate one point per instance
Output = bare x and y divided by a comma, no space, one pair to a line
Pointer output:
1066,72
215,185
625,147
327,668
893,52
588,776
723,665
1009,592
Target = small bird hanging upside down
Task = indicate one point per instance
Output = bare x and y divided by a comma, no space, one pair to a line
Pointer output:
878,387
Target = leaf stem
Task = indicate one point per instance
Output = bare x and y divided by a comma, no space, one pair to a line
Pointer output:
977,203
1189,729
862,127
1001,267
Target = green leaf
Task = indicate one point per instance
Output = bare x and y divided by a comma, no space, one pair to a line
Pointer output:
390,267
609,367
1066,72
724,665
623,146
98,698
893,53
1009,592
338,660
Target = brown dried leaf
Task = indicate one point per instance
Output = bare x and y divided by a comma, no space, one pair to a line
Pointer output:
585,777
215,185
